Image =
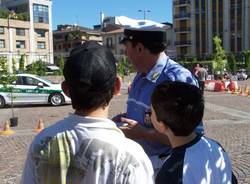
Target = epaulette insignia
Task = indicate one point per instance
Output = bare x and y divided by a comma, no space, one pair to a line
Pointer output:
155,75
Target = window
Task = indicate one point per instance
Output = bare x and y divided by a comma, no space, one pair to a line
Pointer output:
1,30
120,39
122,51
2,44
20,44
109,42
41,45
40,32
30,81
20,32
41,13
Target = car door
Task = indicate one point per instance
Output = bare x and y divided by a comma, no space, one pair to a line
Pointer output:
17,90
30,91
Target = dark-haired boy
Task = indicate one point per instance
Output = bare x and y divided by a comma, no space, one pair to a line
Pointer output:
87,147
177,108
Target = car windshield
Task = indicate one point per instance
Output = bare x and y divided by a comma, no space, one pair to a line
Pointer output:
47,80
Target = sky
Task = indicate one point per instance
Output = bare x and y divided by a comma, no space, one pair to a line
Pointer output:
87,12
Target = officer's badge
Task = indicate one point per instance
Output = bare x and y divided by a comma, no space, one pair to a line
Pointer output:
155,75
147,119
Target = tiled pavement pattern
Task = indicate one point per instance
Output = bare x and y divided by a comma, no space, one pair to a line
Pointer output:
227,119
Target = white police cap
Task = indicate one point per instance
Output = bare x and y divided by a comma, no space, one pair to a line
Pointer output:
142,30
139,25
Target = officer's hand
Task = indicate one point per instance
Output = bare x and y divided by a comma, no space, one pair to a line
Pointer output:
133,130
117,118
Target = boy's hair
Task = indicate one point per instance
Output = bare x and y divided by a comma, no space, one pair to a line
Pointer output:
178,105
90,72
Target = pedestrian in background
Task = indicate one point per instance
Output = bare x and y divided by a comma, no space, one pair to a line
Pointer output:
201,75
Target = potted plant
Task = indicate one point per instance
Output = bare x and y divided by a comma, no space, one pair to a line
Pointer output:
7,79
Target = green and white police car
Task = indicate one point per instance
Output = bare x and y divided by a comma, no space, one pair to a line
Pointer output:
31,89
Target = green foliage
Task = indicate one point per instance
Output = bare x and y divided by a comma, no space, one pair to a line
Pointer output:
231,63
37,68
21,63
124,67
23,16
7,79
219,56
14,70
61,63
5,13
246,55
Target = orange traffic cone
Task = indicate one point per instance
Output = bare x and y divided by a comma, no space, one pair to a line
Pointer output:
247,91
6,129
119,78
235,91
40,126
240,91
243,92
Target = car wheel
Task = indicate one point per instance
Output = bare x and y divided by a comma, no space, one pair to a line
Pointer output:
2,102
56,99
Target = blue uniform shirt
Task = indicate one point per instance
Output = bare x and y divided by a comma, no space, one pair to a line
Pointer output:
139,99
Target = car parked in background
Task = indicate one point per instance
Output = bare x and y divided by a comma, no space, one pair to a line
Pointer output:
31,89
51,69
241,74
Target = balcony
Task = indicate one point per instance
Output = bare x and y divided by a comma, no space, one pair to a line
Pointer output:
182,16
182,29
181,2
183,43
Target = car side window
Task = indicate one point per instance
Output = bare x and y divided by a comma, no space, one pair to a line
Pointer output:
29,81
19,81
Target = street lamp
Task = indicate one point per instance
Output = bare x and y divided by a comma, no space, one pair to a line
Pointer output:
144,13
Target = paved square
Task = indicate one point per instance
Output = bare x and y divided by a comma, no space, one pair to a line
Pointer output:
226,119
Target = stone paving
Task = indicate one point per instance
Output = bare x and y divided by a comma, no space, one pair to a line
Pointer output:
226,119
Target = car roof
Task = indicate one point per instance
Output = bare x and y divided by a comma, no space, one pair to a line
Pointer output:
26,74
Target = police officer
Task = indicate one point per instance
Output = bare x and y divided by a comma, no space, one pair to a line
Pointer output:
145,42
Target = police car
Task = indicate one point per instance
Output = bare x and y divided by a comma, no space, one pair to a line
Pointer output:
31,89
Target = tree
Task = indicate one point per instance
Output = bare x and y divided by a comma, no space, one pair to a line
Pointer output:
61,64
23,16
219,61
7,79
37,68
4,13
231,63
14,70
21,63
124,67
247,60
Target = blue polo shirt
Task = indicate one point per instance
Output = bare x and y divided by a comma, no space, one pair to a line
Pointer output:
139,99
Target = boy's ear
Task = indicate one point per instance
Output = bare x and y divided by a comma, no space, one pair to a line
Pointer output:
65,88
162,127
118,83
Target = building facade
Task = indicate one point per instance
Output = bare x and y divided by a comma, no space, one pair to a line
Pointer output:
32,38
196,22
111,40
67,37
